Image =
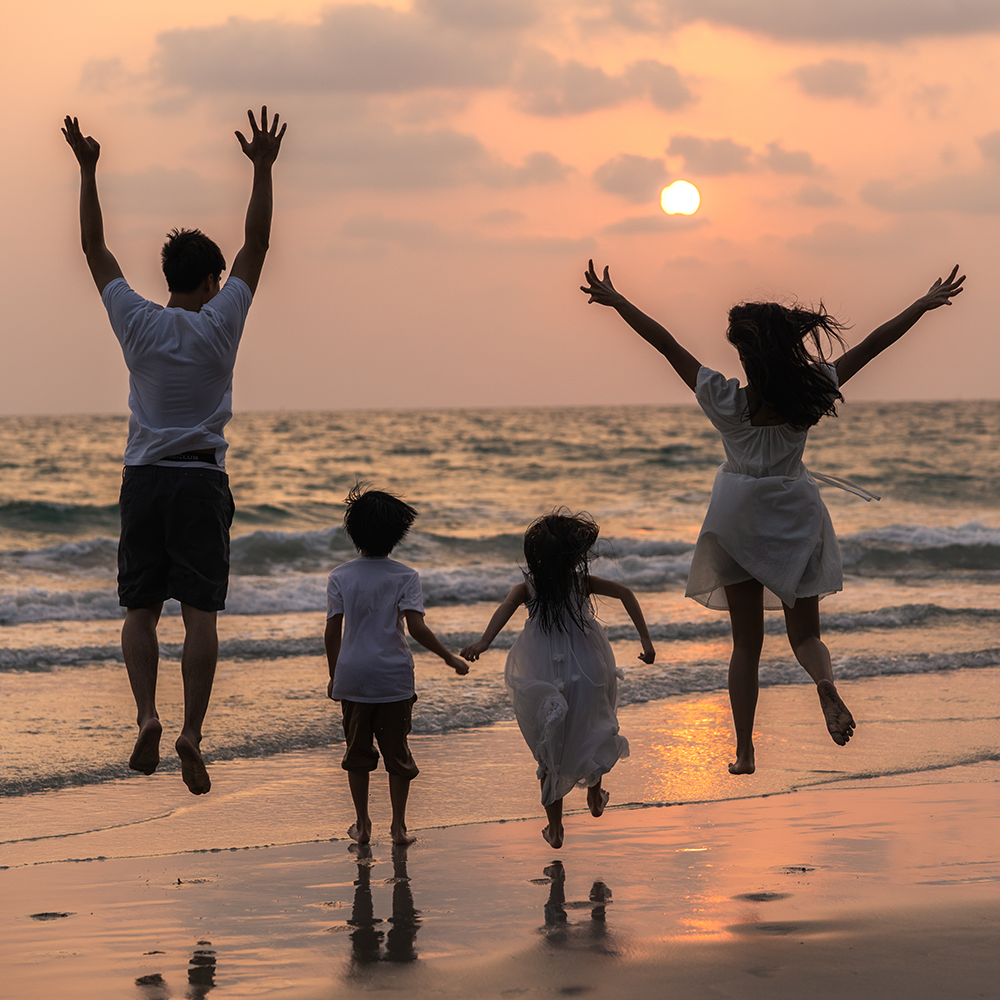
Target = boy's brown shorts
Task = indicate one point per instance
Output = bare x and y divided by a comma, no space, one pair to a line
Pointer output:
389,723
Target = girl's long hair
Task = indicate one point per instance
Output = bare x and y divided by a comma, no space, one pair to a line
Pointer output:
557,550
780,348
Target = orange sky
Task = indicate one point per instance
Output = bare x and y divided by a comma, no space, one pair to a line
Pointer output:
450,165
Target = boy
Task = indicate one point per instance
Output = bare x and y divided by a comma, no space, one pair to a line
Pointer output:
371,667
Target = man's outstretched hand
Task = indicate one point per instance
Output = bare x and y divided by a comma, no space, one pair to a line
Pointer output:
85,148
265,142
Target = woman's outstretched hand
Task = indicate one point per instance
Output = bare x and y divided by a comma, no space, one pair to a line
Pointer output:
474,650
943,291
648,654
600,290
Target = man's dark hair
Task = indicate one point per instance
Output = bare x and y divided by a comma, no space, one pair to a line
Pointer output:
188,257
376,521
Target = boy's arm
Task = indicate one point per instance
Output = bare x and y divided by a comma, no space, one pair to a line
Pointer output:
103,266
940,294
517,596
417,627
331,640
604,293
262,150
610,588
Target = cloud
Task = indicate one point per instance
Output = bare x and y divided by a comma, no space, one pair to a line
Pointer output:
814,196
785,161
846,20
841,239
637,178
502,217
833,78
485,15
973,193
547,87
655,224
989,146
182,193
710,157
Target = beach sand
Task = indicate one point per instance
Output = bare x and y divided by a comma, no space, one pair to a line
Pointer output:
871,871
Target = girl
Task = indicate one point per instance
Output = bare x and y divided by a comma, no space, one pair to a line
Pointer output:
767,540
561,671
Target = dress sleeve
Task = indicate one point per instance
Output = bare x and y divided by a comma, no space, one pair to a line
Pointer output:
719,397
334,597
830,371
410,598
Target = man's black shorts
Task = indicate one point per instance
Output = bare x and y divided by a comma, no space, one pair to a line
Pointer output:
175,536
389,722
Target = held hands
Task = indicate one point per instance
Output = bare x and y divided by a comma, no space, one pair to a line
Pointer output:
265,142
942,292
460,667
474,650
600,290
86,149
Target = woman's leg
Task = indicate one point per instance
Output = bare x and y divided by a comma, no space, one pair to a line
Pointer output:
746,614
802,624
597,799
553,833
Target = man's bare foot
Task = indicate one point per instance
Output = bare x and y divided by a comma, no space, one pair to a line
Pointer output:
597,799
839,720
360,832
744,763
400,837
146,752
193,769
553,837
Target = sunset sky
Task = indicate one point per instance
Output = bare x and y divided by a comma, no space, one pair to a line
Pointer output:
450,166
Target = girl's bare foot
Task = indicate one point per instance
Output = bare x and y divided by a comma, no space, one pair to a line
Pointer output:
401,838
553,836
360,832
146,752
597,799
839,720
193,769
744,763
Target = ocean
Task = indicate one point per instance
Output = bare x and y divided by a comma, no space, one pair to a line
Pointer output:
921,588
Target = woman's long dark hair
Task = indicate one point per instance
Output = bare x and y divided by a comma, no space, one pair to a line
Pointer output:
557,550
780,348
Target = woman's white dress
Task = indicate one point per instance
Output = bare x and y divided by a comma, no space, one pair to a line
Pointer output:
766,520
564,688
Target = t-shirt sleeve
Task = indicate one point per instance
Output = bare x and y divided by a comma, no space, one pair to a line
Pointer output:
123,305
410,598
334,597
829,369
719,397
228,310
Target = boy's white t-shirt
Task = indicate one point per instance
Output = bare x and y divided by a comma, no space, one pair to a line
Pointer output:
180,367
375,663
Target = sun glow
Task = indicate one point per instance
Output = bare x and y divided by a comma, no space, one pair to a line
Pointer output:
680,198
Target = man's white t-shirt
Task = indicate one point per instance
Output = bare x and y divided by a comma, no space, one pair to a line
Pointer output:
180,367
375,663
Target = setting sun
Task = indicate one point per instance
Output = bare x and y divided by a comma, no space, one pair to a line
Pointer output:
680,198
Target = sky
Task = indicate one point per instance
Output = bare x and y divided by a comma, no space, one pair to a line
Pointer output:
451,165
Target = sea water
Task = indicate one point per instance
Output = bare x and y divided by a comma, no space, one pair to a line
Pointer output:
922,566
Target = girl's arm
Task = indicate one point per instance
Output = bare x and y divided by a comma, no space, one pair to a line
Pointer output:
940,294
517,596
603,292
610,588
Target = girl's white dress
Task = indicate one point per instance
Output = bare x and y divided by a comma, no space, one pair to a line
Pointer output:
564,688
766,520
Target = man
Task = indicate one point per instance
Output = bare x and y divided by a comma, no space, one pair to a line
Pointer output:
176,508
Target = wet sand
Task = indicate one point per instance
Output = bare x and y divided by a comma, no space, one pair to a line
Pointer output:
839,870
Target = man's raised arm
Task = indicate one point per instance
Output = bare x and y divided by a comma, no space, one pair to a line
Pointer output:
101,260
262,150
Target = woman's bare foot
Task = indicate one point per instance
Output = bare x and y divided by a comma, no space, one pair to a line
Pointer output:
744,763
193,769
360,832
553,836
597,799
839,720
146,752
400,837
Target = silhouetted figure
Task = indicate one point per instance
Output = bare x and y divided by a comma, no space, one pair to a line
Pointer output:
400,942
558,929
201,972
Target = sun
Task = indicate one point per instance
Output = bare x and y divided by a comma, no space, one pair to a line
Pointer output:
680,198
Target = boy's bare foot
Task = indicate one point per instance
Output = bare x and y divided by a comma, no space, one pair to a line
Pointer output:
744,763
553,837
360,832
401,838
193,769
597,799
839,720
146,752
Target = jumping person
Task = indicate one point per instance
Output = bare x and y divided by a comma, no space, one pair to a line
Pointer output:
176,507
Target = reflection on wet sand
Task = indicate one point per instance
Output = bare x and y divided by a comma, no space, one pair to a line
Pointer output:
201,977
559,931
366,939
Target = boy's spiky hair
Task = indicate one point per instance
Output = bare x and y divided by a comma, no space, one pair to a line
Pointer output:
376,521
